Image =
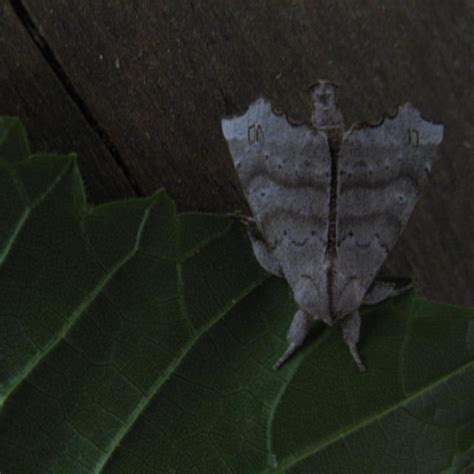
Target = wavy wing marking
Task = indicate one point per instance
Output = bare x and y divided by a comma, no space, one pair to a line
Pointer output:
285,174
380,173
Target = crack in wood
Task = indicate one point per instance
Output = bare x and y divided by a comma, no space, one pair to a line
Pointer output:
48,54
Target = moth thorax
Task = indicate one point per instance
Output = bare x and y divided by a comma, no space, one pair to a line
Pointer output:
326,113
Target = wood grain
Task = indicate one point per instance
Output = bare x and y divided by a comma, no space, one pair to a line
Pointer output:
158,77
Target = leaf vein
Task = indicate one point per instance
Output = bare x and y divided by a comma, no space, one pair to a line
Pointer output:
310,451
143,404
76,313
27,212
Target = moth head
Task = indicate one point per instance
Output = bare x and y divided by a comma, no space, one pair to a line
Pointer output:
326,113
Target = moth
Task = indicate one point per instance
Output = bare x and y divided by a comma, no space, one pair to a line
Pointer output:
329,204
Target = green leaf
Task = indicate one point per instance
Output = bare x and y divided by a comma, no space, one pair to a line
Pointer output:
135,340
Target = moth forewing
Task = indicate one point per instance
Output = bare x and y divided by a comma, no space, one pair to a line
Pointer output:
381,170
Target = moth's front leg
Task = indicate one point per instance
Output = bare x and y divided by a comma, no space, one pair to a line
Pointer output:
299,329
351,333
381,290
261,250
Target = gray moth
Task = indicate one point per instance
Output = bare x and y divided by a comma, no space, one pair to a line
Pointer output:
329,204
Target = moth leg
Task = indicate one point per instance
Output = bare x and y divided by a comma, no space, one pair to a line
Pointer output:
381,290
297,333
246,220
350,332
260,248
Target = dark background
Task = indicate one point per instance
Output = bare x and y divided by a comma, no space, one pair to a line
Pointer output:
138,89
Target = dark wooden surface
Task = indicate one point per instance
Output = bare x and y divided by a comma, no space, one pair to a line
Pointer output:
30,89
139,88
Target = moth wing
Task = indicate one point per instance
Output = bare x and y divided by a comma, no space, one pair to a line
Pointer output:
285,174
381,170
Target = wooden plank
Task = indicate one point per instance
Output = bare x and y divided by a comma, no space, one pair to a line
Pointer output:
30,89
158,76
